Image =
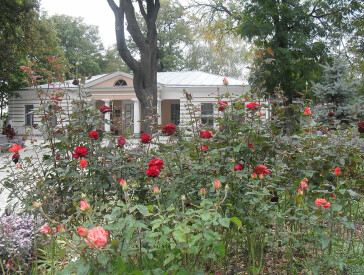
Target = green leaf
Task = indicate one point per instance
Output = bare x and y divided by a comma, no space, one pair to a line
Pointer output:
119,265
324,243
150,208
225,222
83,269
179,236
219,249
353,193
169,259
143,210
238,222
102,258
206,216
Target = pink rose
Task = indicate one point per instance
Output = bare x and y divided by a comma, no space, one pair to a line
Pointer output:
82,231
84,205
98,236
45,229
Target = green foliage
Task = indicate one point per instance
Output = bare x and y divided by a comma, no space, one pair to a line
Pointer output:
81,43
207,216
337,94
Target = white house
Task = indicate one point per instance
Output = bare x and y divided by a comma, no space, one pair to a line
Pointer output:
116,90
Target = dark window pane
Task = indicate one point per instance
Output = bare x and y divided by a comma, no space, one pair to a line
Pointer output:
175,114
120,83
29,115
207,112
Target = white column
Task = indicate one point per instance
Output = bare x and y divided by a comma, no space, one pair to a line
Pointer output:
136,116
107,116
159,110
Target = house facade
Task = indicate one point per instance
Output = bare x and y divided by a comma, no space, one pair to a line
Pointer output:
116,91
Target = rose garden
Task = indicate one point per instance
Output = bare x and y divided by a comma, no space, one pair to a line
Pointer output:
243,197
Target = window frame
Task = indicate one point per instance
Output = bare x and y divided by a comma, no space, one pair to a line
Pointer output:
207,118
28,114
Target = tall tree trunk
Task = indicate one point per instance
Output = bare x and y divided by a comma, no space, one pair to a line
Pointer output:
145,70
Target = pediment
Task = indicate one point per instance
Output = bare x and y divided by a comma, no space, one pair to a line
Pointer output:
114,80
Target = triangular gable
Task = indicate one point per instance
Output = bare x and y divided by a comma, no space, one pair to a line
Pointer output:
108,81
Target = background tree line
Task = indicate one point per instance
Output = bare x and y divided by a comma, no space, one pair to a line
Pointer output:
215,36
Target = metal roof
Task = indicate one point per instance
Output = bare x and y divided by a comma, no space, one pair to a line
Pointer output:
194,78
172,79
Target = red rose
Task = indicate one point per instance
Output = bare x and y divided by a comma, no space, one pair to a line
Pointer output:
337,171
361,126
15,148
145,138
80,151
307,111
238,167
83,163
261,169
252,105
169,129
153,171
223,105
121,141
251,145
330,114
15,158
94,135
204,148
205,134
75,82
105,109
156,162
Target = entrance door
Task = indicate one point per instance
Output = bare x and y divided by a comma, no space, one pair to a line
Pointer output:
128,116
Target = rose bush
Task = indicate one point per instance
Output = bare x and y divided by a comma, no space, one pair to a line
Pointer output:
203,201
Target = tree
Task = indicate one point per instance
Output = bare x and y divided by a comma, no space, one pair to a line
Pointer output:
173,36
112,62
201,56
81,43
145,70
24,38
336,93
296,32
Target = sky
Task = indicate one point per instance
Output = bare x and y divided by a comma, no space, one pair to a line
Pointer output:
94,12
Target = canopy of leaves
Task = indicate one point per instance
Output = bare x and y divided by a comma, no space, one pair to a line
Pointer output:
81,43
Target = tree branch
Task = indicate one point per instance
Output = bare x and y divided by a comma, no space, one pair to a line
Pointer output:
133,27
120,35
142,10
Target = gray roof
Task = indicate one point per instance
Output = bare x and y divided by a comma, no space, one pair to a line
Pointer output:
194,78
172,79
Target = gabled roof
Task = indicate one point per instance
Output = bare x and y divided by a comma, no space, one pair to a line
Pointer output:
168,79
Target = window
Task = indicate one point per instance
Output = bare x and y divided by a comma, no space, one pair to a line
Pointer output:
52,112
207,112
175,113
120,82
29,118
